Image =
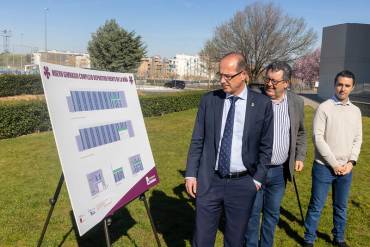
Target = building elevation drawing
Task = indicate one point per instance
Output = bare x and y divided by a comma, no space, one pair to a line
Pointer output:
136,164
118,174
96,182
100,135
95,100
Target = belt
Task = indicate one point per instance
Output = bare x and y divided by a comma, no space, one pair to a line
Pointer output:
274,166
232,175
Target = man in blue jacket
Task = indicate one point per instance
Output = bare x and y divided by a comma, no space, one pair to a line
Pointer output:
230,148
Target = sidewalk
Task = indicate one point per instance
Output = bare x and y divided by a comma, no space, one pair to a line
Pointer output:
311,100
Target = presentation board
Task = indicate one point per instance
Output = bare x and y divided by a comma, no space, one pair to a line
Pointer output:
101,139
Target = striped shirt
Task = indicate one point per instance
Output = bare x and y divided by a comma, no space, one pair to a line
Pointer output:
280,149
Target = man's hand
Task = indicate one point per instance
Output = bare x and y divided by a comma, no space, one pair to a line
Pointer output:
298,165
258,187
258,184
191,186
338,170
348,168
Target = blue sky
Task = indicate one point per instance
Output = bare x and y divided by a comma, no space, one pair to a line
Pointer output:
167,27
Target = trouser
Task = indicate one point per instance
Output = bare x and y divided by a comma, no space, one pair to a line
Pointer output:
267,201
233,196
322,178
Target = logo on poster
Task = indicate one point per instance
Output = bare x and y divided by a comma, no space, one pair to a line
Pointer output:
92,211
150,180
46,72
82,218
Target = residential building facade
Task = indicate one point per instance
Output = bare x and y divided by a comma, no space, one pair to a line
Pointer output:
80,60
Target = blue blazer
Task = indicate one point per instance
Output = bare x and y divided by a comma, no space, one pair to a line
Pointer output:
257,137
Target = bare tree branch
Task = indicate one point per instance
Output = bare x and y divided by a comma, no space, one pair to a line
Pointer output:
262,33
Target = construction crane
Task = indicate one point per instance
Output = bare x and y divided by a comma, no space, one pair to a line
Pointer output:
6,34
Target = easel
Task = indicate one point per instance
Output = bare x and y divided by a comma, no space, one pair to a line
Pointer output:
106,221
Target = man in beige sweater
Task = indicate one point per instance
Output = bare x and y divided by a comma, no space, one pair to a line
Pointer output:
337,137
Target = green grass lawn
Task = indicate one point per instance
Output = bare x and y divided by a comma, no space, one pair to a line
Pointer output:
30,171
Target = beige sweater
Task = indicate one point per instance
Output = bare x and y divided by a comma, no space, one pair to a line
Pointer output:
337,133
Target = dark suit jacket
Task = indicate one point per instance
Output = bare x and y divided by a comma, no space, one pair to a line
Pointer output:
298,143
257,137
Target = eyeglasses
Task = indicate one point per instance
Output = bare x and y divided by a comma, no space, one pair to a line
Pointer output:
274,82
228,77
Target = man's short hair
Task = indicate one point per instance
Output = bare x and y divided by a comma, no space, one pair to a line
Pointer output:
280,65
347,74
242,64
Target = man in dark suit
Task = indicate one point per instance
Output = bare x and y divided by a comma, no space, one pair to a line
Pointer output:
230,148
288,154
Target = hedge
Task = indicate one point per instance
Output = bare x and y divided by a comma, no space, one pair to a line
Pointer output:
163,104
25,117
11,85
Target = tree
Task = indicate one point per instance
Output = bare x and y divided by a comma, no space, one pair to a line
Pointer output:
114,49
209,65
262,33
307,67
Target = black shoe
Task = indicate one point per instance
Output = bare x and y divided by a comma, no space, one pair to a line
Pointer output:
307,244
340,244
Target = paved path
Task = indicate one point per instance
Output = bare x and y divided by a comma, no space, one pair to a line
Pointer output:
314,104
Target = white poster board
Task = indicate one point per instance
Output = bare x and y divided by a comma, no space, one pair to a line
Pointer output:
101,139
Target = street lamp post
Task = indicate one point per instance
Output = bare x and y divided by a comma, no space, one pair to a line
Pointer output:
46,31
21,52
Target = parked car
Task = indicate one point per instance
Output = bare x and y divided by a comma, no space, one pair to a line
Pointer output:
175,84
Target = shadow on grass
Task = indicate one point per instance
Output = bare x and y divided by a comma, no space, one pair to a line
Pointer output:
173,216
356,204
121,223
286,226
290,231
65,237
290,216
324,236
293,233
